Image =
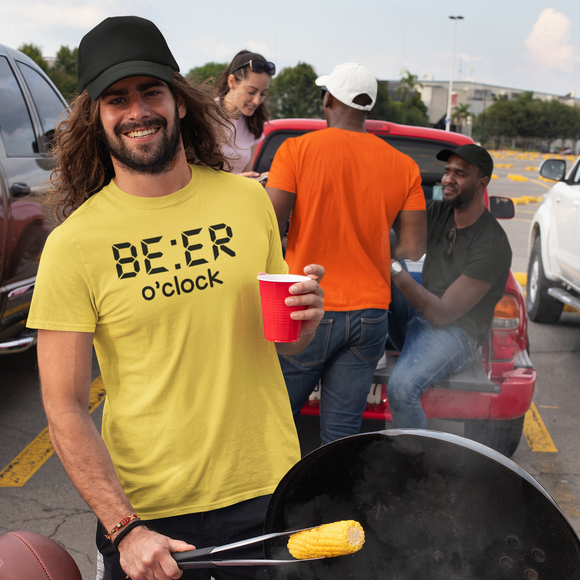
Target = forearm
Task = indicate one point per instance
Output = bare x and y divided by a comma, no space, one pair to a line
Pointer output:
64,360
283,202
87,462
65,363
426,303
457,300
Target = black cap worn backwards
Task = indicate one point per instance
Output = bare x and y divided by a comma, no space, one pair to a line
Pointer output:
473,154
121,47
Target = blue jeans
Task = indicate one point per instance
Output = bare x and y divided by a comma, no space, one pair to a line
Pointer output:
428,355
343,355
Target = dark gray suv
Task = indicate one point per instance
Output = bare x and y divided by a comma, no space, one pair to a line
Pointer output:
30,106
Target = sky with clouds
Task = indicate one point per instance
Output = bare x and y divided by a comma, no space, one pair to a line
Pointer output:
524,44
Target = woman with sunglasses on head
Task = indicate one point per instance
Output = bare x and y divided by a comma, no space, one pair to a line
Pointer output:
242,89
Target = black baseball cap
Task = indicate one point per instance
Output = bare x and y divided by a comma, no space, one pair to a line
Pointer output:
121,47
473,154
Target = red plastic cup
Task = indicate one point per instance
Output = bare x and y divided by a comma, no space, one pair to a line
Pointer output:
278,325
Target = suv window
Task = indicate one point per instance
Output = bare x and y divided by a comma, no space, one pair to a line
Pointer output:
423,152
15,123
48,104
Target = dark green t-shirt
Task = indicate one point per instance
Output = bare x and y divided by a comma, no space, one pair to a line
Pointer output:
481,251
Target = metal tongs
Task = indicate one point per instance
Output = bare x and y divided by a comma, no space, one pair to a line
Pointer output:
188,560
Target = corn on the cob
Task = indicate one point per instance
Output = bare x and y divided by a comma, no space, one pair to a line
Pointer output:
328,540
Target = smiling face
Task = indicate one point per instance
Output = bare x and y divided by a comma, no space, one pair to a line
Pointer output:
141,128
461,182
247,94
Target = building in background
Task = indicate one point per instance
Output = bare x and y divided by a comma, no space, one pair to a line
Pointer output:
478,96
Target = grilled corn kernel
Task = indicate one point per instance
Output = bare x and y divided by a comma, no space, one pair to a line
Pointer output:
328,540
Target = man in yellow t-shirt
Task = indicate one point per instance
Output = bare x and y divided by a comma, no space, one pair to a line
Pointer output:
156,267
346,189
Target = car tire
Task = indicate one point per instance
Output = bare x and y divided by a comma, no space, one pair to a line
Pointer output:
502,435
541,306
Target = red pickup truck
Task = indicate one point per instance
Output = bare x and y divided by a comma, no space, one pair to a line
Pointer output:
492,395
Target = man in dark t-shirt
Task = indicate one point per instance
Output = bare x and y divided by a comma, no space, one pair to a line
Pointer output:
466,267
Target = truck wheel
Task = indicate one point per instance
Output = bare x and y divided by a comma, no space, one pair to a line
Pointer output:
541,306
501,435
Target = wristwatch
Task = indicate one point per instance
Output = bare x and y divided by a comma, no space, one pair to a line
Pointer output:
396,268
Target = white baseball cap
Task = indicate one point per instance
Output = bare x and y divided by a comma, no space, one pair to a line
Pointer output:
349,80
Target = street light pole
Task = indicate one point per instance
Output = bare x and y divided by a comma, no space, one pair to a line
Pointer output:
448,117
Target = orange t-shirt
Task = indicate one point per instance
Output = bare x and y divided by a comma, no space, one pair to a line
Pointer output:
349,189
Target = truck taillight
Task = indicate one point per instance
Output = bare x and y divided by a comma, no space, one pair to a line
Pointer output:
507,313
505,323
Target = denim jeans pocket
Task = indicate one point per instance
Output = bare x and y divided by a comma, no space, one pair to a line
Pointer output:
315,352
373,335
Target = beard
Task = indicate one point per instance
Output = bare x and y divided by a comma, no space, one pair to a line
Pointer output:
149,159
463,199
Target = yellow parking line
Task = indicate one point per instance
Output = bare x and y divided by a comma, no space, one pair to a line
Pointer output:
536,434
540,183
33,457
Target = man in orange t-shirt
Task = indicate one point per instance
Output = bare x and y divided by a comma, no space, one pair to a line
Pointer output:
346,190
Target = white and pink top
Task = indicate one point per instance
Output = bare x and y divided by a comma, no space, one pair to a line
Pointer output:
240,156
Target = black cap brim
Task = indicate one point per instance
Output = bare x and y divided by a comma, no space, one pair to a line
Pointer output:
445,154
472,154
124,70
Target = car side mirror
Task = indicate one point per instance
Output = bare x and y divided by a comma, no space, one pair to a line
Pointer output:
501,208
553,169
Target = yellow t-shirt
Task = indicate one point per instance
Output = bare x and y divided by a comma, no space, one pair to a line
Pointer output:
197,415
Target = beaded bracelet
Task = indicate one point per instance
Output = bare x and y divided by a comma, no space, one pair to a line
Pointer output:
121,524
126,530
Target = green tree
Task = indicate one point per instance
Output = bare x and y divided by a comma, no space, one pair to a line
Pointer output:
529,120
460,114
209,72
385,108
294,94
574,125
64,72
555,120
407,89
35,53
501,120
416,111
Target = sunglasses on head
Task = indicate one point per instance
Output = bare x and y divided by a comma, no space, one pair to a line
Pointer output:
450,237
323,91
258,66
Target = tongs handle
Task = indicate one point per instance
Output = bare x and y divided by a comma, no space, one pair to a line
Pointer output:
186,557
182,556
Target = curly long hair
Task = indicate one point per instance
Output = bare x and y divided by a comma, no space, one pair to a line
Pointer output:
83,165
256,121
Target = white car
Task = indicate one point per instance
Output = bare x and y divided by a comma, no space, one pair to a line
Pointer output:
554,245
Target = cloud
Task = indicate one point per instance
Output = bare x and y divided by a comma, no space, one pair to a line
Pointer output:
383,66
225,51
549,44
40,15
51,24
